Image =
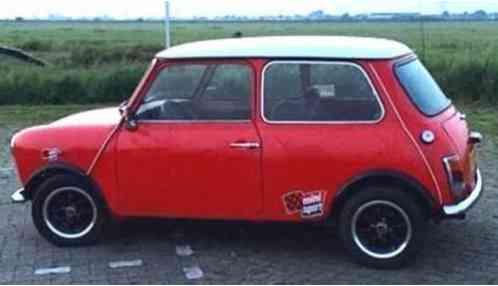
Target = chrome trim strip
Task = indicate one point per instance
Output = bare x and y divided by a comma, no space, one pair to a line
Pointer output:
18,197
245,145
343,63
466,204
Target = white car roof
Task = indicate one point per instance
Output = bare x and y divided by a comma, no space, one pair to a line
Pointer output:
290,47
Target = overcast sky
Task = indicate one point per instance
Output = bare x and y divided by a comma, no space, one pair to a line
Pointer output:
211,8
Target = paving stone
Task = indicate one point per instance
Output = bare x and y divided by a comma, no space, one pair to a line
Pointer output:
456,252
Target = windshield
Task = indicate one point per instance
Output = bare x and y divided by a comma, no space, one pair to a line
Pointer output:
422,89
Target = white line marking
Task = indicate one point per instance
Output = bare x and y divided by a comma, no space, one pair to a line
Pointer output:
55,270
184,250
129,263
193,273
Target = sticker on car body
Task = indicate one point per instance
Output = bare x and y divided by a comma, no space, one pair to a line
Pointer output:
307,204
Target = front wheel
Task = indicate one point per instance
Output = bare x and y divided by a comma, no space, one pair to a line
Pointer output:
383,227
67,211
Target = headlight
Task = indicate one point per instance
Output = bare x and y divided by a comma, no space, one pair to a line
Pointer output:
455,177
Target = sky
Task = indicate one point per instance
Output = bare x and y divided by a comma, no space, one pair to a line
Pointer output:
211,8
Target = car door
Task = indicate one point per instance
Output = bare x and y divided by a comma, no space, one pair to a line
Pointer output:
320,123
196,152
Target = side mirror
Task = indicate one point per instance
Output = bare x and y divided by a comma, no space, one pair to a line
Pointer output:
123,107
131,122
130,119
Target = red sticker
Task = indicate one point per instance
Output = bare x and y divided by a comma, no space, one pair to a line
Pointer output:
293,202
308,204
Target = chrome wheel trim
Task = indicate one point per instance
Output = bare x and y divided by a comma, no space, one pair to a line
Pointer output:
51,225
364,248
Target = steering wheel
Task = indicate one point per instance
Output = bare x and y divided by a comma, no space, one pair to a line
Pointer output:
176,111
287,109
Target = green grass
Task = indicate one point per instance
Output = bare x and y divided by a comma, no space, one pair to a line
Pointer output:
483,119
103,62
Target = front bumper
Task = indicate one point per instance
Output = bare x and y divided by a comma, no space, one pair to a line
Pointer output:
465,205
18,197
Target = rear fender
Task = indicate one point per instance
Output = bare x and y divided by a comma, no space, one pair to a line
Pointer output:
385,177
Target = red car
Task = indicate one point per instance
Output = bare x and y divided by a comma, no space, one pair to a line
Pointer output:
351,131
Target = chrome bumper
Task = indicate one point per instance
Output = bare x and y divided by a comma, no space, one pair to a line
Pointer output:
18,197
466,204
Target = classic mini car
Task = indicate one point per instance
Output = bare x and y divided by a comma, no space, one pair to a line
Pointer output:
352,132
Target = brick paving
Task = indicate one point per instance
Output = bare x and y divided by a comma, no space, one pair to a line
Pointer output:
456,252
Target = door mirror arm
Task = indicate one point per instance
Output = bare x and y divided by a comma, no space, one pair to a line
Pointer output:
131,123
123,107
129,117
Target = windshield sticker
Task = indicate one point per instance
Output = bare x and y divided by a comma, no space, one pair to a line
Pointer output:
307,204
325,90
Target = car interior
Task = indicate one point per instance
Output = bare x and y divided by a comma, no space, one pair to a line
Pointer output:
326,96
218,92
292,92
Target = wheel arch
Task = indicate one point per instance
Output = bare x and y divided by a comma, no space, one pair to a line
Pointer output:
384,177
53,169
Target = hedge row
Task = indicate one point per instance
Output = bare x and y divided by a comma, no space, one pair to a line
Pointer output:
464,80
52,86
468,80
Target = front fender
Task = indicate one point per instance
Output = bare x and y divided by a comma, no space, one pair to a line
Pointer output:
49,170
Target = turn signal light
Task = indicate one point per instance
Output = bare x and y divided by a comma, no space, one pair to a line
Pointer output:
455,177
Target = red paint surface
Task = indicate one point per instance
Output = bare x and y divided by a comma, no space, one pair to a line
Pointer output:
188,170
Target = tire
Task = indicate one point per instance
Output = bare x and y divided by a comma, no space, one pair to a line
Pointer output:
68,211
383,227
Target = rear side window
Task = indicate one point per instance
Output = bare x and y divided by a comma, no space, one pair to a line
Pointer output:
422,89
318,92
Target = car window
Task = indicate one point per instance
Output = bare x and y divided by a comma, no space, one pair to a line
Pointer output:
421,87
320,92
199,92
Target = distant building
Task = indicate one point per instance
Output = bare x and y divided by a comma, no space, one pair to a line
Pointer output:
393,16
317,15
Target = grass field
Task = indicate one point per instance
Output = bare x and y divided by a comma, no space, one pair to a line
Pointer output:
102,62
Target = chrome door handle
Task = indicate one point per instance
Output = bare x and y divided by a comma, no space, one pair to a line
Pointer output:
245,145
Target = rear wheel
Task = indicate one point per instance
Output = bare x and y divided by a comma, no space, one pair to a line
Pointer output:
383,227
67,211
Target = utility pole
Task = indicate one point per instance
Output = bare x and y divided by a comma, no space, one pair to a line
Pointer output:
167,25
